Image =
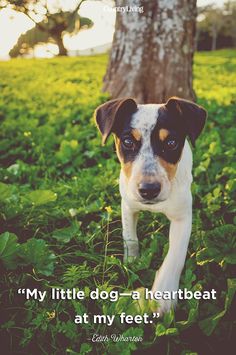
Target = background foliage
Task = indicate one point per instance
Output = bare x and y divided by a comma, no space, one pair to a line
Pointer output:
60,213
216,26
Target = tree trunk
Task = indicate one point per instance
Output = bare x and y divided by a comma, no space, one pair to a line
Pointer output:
214,39
152,52
59,41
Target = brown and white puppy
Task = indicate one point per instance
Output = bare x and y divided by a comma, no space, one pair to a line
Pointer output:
156,164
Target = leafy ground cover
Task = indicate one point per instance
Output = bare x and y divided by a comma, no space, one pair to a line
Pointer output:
60,214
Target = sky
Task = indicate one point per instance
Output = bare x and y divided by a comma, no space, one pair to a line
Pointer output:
12,24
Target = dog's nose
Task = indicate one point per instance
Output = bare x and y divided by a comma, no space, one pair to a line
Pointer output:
149,191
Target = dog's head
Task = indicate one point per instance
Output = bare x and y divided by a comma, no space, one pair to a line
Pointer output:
149,141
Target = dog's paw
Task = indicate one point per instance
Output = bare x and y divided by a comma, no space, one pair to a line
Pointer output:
164,306
163,283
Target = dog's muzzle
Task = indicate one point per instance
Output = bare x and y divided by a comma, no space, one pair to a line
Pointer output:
149,191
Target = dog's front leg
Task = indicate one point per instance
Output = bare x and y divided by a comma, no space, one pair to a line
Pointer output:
129,225
167,277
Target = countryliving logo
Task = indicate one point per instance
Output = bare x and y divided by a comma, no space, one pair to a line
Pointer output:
122,9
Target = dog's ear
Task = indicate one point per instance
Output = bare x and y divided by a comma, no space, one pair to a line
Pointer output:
193,116
109,115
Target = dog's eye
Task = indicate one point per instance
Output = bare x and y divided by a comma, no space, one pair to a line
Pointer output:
128,143
171,144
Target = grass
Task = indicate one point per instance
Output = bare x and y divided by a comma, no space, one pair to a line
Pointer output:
60,214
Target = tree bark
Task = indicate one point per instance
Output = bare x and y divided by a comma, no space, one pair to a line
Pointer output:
59,41
152,52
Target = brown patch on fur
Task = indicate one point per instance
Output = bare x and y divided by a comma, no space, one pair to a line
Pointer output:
169,168
136,134
117,144
126,167
163,134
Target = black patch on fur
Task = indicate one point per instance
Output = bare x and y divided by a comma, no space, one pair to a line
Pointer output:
181,118
191,116
177,131
111,115
125,131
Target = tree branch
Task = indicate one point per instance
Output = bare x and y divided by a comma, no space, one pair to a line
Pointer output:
76,9
3,6
26,12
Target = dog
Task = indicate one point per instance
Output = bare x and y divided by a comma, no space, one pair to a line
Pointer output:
155,176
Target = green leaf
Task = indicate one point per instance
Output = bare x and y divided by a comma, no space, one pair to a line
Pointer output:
66,234
192,316
230,293
209,324
41,197
8,325
160,329
172,331
220,246
67,150
168,318
5,191
203,256
189,278
85,348
8,249
35,252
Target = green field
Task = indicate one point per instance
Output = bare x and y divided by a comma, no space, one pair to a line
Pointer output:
60,214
